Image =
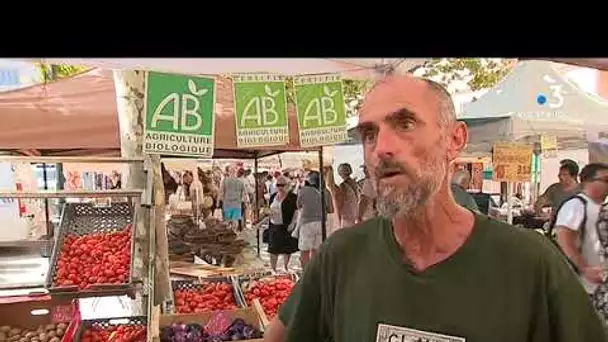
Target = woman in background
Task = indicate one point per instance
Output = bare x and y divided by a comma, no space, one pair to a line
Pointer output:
283,206
169,182
333,222
310,225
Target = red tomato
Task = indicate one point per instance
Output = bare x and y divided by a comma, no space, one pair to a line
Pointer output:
271,293
207,297
89,259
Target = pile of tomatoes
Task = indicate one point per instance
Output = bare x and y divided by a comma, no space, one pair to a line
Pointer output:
271,292
115,333
101,258
209,297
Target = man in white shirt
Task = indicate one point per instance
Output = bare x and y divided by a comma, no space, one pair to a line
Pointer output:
579,215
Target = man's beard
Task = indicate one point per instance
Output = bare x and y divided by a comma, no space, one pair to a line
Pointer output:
408,201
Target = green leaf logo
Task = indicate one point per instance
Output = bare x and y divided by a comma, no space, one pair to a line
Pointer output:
269,91
328,92
194,91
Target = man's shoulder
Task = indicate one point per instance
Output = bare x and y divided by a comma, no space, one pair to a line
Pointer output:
353,238
576,200
513,242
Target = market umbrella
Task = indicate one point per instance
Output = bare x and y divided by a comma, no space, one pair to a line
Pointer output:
533,99
354,68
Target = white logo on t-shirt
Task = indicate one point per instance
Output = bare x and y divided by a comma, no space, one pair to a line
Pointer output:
392,333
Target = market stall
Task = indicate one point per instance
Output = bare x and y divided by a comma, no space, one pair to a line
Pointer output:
136,227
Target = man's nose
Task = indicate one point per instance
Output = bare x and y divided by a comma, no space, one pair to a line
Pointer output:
387,142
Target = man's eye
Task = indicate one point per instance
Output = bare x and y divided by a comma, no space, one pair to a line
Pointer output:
406,125
368,136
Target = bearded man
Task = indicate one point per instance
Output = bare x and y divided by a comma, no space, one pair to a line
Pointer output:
429,269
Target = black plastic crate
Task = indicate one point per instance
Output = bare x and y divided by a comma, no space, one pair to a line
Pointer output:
84,219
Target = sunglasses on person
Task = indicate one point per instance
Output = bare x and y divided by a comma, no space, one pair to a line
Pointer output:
281,185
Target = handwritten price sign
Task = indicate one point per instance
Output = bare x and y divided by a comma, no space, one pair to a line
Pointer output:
62,314
218,323
512,162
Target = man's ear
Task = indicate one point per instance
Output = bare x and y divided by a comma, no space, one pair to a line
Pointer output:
458,137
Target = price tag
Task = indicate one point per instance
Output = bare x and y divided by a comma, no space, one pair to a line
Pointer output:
62,314
218,324
512,162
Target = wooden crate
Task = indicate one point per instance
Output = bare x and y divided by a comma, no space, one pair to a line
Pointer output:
249,315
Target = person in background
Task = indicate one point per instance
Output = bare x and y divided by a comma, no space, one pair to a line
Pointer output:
346,196
186,186
367,200
116,180
333,222
283,206
272,185
556,193
250,187
262,190
191,190
245,205
311,217
577,236
232,195
210,191
169,182
461,180
428,269
298,182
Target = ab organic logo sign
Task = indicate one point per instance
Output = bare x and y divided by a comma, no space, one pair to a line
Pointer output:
260,110
179,115
321,109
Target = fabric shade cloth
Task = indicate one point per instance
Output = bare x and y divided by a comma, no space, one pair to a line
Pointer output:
76,113
352,68
81,113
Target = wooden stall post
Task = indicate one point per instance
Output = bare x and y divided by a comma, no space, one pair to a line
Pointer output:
162,281
323,199
256,215
130,97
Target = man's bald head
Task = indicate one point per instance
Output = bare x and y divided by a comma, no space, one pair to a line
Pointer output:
447,111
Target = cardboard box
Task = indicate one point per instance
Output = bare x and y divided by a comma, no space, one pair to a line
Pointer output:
249,315
29,312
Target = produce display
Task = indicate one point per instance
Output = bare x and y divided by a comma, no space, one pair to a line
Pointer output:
270,291
208,297
214,242
99,258
114,333
239,330
44,333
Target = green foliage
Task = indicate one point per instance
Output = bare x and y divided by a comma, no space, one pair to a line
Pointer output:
54,72
481,73
353,94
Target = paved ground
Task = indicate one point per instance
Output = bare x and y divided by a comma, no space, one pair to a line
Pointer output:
263,261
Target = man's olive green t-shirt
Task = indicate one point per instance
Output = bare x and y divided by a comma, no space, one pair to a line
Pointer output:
503,284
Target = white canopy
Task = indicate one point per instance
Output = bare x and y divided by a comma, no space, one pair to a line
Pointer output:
533,99
355,68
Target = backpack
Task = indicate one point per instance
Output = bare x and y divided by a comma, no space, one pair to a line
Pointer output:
550,234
